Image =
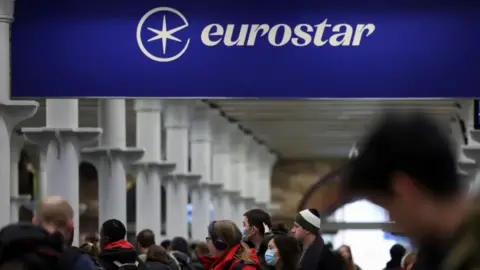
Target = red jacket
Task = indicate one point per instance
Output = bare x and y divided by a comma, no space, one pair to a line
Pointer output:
215,263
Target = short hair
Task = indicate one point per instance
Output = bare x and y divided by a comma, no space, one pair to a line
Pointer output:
146,238
179,244
166,243
202,249
258,218
412,143
114,230
54,210
157,253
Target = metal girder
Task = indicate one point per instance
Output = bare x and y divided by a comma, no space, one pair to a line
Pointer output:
336,226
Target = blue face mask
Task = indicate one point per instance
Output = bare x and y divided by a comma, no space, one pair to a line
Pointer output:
270,258
244,235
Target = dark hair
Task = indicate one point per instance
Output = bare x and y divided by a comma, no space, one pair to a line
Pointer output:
397,252
349,250
179,244
166,243
258,217
288,250
279,228
145,238
411,143
114,230
157,253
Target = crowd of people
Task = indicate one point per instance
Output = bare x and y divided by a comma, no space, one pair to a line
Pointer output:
405,165
46,244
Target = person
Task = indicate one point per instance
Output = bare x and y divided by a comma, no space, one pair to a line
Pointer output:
228,250
201,250
314,254
165,244
157,259
179,250
92,251
409,260
116,252
145,239
30,247
406,164
283,253
256,228
397,252
346,253
55,214
50,233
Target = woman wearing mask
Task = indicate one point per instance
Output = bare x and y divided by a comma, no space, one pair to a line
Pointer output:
346,253
283,252
227,249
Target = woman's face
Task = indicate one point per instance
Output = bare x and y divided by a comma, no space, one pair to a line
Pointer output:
345,253
272,246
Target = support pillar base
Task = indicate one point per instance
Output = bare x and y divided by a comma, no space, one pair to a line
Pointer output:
475,135
472,151
467,165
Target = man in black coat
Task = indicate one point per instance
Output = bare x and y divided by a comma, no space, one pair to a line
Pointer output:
315,255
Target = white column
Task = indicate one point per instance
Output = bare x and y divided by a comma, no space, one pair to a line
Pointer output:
267,169
250,188
201,157
472,150
151,168
254,169
62,140
17,200
239,173
222,169
466,165
177,124
11,112
112,158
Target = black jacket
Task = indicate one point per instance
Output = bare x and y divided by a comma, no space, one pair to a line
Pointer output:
122,252
150,265
183,260
318,257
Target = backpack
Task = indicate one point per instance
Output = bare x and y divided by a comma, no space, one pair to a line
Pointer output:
35,247
239,265
138,265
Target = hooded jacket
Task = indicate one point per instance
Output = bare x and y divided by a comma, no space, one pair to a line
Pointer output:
229,260
121,251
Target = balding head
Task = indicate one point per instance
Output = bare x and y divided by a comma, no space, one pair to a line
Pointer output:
54,212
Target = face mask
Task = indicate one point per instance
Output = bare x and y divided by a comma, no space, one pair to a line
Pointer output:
270,258
244,235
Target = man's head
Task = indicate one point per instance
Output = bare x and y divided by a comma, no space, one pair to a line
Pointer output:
406,165
145,239
179,244
306,225
55,214
254,223
112,231
166,244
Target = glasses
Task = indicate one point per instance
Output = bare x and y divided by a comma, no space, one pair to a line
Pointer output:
208,239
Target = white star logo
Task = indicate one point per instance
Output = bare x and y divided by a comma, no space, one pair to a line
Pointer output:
162,34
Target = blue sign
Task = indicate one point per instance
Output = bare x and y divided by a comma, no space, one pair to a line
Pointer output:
244,48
